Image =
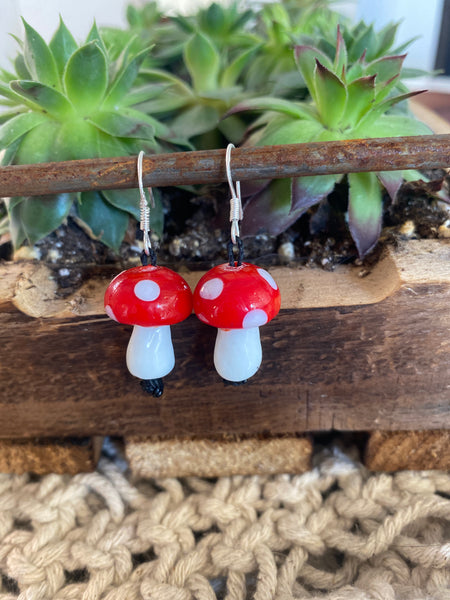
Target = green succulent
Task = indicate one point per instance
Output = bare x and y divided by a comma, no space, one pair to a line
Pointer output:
64,102
195,107
147,27
347,102
279,28
226,25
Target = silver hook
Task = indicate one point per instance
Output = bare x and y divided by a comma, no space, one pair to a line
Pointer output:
144,207
236,214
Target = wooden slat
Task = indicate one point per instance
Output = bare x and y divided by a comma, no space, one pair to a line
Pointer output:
417,450
222,456
375,357
42,456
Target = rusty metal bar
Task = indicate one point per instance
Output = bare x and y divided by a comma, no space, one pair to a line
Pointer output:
267,162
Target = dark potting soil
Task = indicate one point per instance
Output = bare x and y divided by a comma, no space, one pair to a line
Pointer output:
197,233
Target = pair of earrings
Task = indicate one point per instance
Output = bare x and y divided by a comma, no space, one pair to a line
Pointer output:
235,297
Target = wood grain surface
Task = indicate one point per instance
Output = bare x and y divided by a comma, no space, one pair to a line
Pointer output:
221,456
42,456
417,450
380,363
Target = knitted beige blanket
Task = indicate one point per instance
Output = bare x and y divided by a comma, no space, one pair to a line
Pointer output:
337,532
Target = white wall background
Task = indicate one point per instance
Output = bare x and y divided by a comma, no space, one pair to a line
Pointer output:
418,17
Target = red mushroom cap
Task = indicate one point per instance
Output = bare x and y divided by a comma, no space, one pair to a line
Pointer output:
148,296
236,297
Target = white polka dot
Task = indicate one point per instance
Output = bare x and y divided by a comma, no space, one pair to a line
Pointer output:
110,313
268,277
147,290
211,289
254,318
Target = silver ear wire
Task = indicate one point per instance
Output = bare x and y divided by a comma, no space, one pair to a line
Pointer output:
144,207
235,200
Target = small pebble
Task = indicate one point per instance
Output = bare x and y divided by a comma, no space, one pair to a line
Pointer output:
27,253
64,272
175,246
287,251
408,229
54,255
444,230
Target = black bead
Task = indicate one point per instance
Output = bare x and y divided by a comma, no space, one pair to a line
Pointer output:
155,387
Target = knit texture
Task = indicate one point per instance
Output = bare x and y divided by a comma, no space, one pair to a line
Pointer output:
337,532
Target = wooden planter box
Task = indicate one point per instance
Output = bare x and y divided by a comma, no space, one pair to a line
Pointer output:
348,351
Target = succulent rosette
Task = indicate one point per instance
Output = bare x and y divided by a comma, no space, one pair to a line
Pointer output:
348,101
67,101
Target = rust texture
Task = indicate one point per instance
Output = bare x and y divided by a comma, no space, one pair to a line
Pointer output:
268,162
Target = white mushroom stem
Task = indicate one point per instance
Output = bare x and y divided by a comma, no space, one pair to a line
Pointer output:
237,353
150,352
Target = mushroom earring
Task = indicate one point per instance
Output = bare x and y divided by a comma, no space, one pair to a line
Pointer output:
237,298
151,298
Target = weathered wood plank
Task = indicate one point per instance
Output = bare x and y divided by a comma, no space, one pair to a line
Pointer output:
221,456
379,363
42,456
397,450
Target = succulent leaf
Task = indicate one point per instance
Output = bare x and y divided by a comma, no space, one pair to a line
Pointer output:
86,78
159,129
331,95
118,125
386,37
308,191
13,98
365,210
183,23
270,210
38,144
41,215
95,36
306,57
107,145
372,118
213,18
143,94
18,235
279,105
365,43
106,222
385,68
75,139
361,97
39,59
196,120
62,46
124,80
126,200
391,181
340,61
18,126
203,63
413,175
392,126
47,98
232,72
21,68
286,130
